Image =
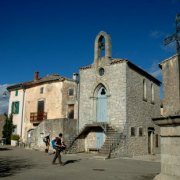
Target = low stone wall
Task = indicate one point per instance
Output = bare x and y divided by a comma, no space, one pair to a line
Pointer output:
78,145
52,127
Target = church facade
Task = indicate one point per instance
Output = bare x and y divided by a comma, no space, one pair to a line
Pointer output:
122,98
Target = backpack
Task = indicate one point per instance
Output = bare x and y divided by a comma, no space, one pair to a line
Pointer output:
45,139
53,143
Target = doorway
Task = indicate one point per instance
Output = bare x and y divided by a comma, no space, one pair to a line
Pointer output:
102,105
29,135
150,140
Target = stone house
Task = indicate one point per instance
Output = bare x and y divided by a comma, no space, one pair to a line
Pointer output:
117,102
50,97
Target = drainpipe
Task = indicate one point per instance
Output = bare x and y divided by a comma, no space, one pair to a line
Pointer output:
78,87
75,77
22,110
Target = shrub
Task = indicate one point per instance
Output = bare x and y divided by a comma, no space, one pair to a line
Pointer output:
15,137
8,128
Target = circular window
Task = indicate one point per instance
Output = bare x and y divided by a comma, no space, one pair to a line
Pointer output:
101,71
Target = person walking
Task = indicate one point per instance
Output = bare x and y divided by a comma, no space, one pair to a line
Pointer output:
47,142
58,145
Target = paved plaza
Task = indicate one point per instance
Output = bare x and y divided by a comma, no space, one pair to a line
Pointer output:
22,164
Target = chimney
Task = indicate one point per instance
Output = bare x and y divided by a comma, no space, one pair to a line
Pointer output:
75,76
36,76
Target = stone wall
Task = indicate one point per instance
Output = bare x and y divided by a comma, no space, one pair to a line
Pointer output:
140,111
53,127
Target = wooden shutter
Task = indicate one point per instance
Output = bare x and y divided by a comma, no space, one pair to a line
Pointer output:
16,94
17,107
12,106
40,106
156,140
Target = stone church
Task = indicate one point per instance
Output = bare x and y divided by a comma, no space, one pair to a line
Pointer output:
117,101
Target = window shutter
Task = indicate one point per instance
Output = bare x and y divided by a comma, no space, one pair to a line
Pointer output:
17,109
12,106
16,94
157,140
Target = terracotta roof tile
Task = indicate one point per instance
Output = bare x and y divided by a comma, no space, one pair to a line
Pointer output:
115,61
86,67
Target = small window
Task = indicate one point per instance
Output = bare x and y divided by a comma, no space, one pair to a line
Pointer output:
132,131
14,129
157,143
16,93
140,131
71,92
71,111
101,71
41,90
15,108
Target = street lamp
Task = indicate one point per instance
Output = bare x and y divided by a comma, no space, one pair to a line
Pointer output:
4,94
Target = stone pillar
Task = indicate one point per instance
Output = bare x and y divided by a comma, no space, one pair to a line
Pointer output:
171,85
170,147
170,121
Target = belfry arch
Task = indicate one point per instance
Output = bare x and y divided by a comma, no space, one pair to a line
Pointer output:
102,42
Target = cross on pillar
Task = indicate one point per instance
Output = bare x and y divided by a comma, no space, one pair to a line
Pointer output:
176,35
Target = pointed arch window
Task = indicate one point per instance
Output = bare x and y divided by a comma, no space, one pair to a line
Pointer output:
144,90
152,93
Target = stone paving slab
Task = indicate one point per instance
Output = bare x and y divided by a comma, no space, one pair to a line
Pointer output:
19,163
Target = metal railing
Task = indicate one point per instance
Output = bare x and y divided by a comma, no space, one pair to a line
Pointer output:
38,116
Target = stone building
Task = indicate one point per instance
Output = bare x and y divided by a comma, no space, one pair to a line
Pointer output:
117,102
50,97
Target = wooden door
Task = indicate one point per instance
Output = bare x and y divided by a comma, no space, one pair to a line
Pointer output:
102,105
149,142
99,139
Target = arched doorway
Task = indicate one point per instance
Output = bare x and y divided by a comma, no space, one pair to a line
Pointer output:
101,114
29,135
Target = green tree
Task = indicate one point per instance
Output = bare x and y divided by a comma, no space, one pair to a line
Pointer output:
8,128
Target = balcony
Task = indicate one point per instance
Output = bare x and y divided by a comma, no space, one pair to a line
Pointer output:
37,117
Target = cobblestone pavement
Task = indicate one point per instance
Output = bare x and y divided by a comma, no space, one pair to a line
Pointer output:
22,164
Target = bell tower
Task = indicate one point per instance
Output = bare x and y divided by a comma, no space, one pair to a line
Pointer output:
102,49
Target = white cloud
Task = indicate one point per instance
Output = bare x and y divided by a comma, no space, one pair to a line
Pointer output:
156,34
4,101
155,70
157,73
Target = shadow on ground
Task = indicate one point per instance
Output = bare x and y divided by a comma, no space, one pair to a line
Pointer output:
11,165
71,161
4,149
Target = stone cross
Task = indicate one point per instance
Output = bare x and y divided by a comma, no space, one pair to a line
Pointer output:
176,35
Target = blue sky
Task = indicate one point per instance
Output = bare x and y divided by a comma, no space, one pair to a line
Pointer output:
57,37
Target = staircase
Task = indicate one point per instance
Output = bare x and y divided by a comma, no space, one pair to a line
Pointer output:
74,135
104,150
113,138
